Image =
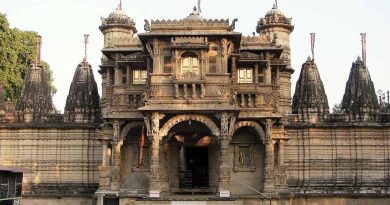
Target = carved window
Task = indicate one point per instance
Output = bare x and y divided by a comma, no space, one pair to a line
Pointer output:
167,64
190,65
212,64
124,75
244,158
261,76
139,76
213,54
245,75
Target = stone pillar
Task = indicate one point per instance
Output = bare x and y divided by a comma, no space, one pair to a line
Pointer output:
108,77
269,159
117,75
104,160
100,199
116,151
155,181
256,76
234,69
268,73
224,168
128,74
281,152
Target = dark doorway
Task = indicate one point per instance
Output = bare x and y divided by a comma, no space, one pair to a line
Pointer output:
195,175
111,201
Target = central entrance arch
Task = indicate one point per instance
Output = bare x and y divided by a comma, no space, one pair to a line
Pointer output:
193,154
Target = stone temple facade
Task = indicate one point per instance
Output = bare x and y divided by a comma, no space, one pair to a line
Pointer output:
193,111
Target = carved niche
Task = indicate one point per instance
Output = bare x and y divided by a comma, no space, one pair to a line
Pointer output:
244,158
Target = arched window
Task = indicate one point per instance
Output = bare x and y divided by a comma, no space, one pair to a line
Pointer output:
190,64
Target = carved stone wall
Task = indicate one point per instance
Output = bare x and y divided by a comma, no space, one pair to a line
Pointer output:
338,160
62,161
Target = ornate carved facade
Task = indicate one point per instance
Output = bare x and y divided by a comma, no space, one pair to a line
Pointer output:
192,110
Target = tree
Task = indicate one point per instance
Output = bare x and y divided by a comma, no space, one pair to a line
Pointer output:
384,100
337,109
17,52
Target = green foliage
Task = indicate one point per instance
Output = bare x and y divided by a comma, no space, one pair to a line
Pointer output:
337,109
17,52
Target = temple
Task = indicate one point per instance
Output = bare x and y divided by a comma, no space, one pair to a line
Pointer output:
191,110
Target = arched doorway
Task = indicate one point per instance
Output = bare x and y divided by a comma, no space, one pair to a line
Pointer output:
135,159
192,158
247,154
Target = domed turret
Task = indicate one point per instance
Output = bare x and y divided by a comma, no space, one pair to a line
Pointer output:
117,28
276,24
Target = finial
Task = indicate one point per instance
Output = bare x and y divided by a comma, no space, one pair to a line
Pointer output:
38,47
200,11
86,36
275,5
194,9
313,42
364,47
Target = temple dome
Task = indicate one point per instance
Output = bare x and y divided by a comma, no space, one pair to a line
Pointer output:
274,11
274,18
118,16
194,16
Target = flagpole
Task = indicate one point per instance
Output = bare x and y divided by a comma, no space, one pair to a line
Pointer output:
313,41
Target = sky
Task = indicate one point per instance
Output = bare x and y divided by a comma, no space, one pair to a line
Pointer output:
338,24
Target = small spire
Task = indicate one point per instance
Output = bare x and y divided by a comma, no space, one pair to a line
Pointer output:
200,11
120,5
86,36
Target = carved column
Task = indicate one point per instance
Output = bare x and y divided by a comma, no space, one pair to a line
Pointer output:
108,78
256,73
185,91
224,168
117,144
269,159
225,44
128,75
193,91
234,69
100,199
176,90
117,74
155,181
268,73
104,160
281,152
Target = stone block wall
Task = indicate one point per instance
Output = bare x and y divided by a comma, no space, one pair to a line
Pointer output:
343,159
62,159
